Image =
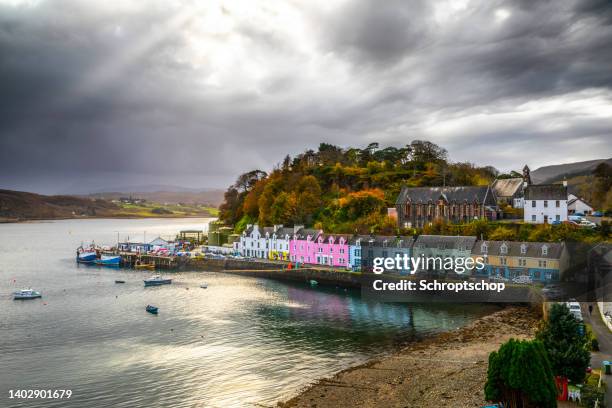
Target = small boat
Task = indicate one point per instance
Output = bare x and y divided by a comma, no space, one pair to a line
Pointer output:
151,309
157,281
119,281
142,265
26,294
109,260
204,285
86,256
313,282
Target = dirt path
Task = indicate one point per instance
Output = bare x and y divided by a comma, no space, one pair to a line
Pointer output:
448,370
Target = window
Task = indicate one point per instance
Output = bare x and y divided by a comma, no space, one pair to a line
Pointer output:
331,249
557,217
523,249
544,249
533,204
503,249
533,218
483,248
557,204
545,204
502,260
357,252
320,249
522,262
341,250
542,264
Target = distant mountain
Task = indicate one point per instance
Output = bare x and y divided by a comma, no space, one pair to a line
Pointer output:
551,174
18,205
207,197
148,188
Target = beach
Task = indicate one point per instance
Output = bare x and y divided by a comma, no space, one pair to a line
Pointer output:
448,369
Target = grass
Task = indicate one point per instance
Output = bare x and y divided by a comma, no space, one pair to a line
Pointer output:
152,209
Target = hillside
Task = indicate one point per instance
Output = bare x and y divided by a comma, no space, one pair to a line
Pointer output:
551,174
20,206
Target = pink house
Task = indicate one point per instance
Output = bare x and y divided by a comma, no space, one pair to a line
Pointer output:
302,245
332,250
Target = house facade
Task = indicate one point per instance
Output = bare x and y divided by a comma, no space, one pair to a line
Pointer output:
332,250
278,239
507,260
253,243
355,253
302,245
576,205
441,247
545,203
509,191
382,246
420,206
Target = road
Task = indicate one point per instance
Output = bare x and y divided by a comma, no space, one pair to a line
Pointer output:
605,346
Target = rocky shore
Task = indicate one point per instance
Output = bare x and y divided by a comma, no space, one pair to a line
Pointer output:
447,370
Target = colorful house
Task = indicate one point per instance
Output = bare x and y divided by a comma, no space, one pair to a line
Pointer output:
278,239
540,261
332,250
302,245
355,254
253,243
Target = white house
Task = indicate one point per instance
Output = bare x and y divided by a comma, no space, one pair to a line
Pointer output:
578,205
278,239
253,243
545,203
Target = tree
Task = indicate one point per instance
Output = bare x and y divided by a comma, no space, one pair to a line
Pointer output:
247,180
502,234
423,151
566,347
520,376
231,209
283,208
308,198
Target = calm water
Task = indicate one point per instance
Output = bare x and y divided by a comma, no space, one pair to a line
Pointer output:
241,342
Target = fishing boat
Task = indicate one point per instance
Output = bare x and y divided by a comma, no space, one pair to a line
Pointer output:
141,265
157,281
119,281
26,294
87,256
151,309
109,260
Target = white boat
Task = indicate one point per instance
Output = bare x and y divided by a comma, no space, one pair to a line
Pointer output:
156,281
204,285
26,294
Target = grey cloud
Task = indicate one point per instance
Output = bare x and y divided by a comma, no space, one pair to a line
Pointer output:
89,93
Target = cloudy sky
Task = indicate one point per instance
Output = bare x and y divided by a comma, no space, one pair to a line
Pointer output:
97,94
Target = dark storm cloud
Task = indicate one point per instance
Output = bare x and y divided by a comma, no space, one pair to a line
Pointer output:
98,94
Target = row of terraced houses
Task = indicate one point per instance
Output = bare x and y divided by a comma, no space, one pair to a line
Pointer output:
540,261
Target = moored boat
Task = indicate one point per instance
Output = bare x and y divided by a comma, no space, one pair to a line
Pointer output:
109,260
119,281
204,285
86,256
142,265
151,309
313,282
157,281
26,294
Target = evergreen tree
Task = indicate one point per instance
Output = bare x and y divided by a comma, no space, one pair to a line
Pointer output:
567,348
520,376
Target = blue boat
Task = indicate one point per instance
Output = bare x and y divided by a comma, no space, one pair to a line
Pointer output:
157,281
86,256
109,260
151,309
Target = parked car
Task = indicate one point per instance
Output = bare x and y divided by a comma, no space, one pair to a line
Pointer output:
598,214
575,218
579,214
587,224
556,222
575,310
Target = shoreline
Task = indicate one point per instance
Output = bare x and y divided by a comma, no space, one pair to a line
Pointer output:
435,371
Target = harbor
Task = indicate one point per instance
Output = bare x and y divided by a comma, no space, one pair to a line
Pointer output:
96,336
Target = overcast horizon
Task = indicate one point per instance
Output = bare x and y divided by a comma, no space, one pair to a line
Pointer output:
104,94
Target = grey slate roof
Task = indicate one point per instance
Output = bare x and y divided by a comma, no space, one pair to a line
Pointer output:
507,187
481,194
546,192
304,232
445,242
532,249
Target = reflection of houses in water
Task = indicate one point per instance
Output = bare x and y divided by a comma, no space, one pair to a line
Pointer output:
318,303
